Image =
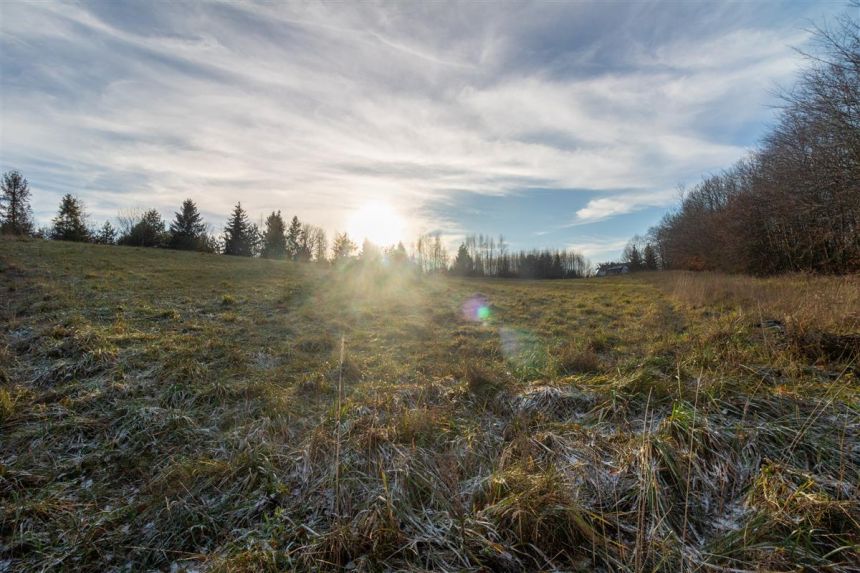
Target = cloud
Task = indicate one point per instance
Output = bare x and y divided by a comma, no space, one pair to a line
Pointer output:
604,208
599,209
317,109
600,248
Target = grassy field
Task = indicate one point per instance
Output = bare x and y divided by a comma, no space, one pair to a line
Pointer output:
173,411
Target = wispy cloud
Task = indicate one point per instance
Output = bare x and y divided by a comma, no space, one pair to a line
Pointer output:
597,248
316,109
604,208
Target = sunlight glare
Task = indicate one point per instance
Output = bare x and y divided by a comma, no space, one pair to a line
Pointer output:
377,222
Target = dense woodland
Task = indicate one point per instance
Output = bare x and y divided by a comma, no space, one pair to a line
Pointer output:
793,204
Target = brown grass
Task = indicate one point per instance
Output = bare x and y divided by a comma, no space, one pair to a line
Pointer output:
665,422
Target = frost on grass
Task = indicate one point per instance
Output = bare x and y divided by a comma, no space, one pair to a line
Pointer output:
633,426
565,404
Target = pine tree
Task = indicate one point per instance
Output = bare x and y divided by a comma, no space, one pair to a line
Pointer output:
650,256
187,231
294,239
16,217
635,259
240,236
106,235
342,248
557,269
274,241
370,253
69,224
149,231
397,255
463,264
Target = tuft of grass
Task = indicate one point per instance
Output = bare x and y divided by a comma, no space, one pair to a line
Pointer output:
316,343
7,405
537,513
482,384
574,360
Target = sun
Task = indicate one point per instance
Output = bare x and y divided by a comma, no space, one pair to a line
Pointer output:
377,222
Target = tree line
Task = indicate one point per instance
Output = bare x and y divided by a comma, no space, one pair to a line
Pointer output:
794,203
146,228
484,256
297,241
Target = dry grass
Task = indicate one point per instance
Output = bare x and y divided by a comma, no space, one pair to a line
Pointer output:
802,301
660,423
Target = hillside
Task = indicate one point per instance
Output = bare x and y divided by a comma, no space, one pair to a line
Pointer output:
169,410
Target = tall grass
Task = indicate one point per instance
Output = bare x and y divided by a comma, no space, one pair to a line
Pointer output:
830,303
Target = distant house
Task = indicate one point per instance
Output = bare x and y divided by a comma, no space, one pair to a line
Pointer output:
608,270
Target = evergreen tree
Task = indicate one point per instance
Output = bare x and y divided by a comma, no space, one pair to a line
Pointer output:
69,224
635,259
16,217
106,235
342,248
556,270
274,241
294,239
241,238
463,264
397,255
370,253
632,255
649,255
187,231
149,231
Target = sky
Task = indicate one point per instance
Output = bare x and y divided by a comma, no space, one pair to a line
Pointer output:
564,125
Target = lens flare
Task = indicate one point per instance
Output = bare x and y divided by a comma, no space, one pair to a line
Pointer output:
521,347
476,308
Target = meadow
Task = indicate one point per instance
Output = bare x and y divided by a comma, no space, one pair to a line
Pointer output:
179,411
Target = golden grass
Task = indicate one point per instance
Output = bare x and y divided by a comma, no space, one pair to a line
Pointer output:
830,303
164,410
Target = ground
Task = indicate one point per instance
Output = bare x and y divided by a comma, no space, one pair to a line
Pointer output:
166,411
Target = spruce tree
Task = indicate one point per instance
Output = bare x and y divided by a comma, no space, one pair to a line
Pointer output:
635,260
557,269
274,241
463,264
106,235
650,256
69,223
370,253
342,248
16,217
240,236
187,231
294,239
397,255
148,232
